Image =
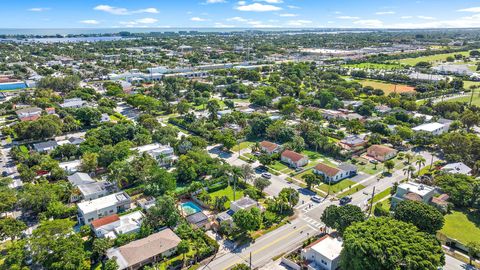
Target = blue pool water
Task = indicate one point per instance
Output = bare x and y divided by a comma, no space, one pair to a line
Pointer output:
12,86
190,208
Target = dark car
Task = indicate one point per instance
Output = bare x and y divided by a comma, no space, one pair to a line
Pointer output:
345,200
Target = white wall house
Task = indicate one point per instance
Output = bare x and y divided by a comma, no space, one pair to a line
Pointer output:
414,192
434,128
164,154
89,211
323,254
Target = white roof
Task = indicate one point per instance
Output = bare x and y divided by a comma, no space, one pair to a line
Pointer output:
329,247
429,127
416,188
458,167
150,147
103,202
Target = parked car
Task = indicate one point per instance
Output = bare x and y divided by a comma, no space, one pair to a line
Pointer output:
317,198
266,175
345,200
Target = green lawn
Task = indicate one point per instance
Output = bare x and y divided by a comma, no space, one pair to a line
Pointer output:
475,100
351,191
430,58
386,66
299,176
281,167
242,146
467,84
462,226
23,148
368,167
334,188
380,196
228,191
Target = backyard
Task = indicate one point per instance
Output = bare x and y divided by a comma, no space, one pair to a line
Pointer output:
228,191
463,226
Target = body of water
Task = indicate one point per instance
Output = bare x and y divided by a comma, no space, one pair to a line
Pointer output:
190,208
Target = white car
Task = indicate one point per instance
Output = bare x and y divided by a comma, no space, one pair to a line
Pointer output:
317,198
266,175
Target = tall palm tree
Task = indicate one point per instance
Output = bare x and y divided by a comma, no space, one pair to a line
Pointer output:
408,171
408,156
420,162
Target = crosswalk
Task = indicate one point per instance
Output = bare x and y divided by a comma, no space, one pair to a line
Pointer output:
312,223
307,207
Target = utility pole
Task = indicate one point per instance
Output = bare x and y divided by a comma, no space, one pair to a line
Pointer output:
471,97
250,260
371,202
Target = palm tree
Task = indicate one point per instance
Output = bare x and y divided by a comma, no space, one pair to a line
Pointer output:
420,162
247,172
408,171
408,156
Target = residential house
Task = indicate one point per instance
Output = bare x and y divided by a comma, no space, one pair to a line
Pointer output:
115,225
44,147
323,254
414,192
353,142
71,167
73,103
146,203
294,159
434,128
458,167
88,189
270,147
89,211
105,118
50,110
29,114
150,249
164,154
245,203
382,109
335,174
381,152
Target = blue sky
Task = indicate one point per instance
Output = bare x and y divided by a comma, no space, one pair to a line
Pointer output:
248,13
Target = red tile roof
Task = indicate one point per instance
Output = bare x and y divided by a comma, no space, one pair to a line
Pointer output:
293,156
329,171
380,149
268,145
105,220
30,118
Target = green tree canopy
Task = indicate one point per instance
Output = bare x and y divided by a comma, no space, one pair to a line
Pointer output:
386,243
426,217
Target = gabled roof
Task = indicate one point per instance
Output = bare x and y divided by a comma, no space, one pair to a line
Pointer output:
293,156
381,149
269,145
328,170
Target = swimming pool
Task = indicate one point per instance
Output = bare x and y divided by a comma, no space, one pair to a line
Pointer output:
12,85
190,208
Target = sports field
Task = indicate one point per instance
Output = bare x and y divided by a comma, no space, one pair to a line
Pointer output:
387,87
431,58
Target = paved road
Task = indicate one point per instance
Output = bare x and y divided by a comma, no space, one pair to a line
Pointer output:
453,264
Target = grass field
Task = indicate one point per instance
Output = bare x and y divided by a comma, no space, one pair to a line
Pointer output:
334,188
387,87
430,58
228,191
387,66
475,100
382,195
351,191
462,226
242,146
467,84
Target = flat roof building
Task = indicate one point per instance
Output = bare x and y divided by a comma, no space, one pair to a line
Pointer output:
89,211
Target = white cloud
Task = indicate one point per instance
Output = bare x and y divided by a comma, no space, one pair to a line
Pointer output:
288,15
222,25
147,20
369,23
38,9
472,9
241,3
271,1
139,22
257,7
293,7
385,12
237,19
406,17
297,23
92,22
426,17
348,17
197,19
123,11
